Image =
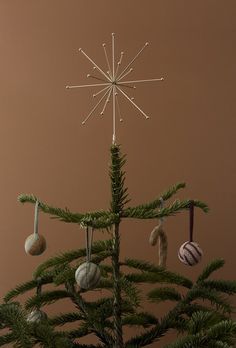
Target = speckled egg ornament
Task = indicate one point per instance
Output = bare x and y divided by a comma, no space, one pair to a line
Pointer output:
35,243
190,252
87,275
36,316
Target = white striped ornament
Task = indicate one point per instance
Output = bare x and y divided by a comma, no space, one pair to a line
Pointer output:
190,253
87,275
36,316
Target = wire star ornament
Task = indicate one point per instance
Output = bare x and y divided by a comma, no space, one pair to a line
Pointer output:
113,84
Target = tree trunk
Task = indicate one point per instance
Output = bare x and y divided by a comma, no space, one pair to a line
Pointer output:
116,289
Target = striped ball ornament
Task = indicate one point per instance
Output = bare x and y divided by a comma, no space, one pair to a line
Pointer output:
87,275
190,253
36,316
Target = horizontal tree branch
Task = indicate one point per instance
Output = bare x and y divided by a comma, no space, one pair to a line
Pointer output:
175,207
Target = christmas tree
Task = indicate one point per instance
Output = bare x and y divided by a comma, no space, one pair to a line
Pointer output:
204,325
201,310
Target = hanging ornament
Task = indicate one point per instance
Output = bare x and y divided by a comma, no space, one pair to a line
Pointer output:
37,315
88,273
159,235
190,252
155,234
35,244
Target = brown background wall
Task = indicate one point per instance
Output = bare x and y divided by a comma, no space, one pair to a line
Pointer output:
190,136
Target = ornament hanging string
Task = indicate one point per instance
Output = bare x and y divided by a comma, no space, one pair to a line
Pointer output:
36,220
191,220
190,252
89,242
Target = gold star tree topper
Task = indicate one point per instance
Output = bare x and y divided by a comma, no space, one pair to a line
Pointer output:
113,84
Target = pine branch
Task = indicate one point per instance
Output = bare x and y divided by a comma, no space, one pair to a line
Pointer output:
171,210
43,334
218,344
67,257
101,309
149,336
15,319
174,320
140,319
131,292
210,268
63,319
6,339
153,278
225,286
46,298
223,331
202,320
96,325
106,270
82,331
47,337
164,294
78,345
212,296
68,274
190,308
63,214
22,288
190,341
98,220
154,274
105,221
118,191
156,203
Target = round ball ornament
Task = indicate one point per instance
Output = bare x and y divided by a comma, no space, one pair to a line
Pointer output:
190,253
36,316
35,244
87,275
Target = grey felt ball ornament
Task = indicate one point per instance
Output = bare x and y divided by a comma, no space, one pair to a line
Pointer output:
87,275
190,253
35,244
36,316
